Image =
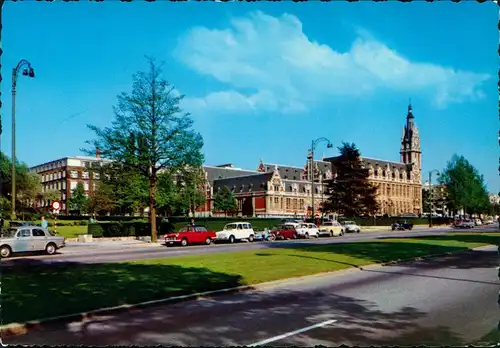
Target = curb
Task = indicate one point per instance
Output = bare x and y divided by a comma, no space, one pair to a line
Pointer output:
18,329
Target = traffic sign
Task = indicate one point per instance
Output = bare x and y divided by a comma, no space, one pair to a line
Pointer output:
56,205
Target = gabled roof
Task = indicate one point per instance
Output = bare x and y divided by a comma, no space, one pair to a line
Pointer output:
216,173
247,183
374,162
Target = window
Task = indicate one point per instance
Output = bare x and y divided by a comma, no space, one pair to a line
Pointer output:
96,176
200,229
85,175
383,173
38,233
74,174
24,233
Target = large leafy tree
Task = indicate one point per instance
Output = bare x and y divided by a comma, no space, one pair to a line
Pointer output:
225,201
465,186
78,199
163,133
349,192
189,190
30,189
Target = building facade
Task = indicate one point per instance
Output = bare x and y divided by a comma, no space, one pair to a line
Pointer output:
64,174
280,190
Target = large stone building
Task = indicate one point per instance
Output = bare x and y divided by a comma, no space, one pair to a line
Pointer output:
280,190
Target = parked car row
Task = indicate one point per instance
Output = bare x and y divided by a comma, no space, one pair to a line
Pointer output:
243,231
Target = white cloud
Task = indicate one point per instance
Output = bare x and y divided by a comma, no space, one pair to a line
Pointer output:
286,71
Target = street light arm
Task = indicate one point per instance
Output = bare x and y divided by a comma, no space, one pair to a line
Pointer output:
20,65
317,141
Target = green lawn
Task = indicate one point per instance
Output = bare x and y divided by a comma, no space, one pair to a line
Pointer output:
35,291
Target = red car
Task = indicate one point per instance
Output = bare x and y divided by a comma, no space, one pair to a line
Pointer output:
284,231
190,235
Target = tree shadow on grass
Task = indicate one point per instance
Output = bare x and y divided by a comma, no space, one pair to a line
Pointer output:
246,318
459,237
34,290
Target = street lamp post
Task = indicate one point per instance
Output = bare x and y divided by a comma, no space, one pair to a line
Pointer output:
430,194
315,143
28,71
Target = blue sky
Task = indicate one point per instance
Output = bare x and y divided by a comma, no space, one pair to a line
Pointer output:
263,79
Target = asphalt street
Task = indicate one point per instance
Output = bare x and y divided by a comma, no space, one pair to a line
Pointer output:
446,301
98,252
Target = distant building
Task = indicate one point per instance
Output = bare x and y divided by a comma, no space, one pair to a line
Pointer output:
281,190
494,198
63,175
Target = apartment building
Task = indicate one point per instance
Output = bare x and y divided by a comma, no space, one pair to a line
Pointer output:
65,173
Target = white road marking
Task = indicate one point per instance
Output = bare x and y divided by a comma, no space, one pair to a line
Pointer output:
291,333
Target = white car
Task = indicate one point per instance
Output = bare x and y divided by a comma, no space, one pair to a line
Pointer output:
307,230
236,231
350,226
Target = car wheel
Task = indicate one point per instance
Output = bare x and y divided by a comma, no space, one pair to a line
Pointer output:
358,230
341,233
5,251
294,236
208,241
250,239
307,235
331,233
231,239
317,235
184,242
50,248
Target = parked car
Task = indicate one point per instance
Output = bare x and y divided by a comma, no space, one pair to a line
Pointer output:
402,225
190,235
350,226
236,231
477,222
464,224
331,228
284,231
29,238
307,230
265,235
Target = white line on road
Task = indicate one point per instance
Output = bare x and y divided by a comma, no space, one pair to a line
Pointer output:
291,333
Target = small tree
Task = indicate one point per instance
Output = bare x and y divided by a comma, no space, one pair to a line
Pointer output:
225,201
150,133
101,199
349,192
190,189
78,199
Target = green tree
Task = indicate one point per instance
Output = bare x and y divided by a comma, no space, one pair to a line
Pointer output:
465,186
128,189
190,190
101,199
152,114
78,199
166,194
349,192
29,190
425,201
51,195
225,201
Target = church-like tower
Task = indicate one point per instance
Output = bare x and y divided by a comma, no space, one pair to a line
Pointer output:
410,145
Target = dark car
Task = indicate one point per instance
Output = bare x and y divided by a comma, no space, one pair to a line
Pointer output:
402,225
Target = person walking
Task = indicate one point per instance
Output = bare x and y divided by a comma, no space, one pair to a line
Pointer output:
44,223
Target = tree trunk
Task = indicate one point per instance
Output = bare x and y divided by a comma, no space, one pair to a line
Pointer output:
152,208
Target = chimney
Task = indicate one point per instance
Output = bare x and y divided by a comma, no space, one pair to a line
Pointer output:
97,152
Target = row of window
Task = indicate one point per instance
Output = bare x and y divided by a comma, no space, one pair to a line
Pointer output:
382,173
286,203
398,190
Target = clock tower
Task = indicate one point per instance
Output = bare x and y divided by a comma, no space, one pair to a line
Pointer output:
410,145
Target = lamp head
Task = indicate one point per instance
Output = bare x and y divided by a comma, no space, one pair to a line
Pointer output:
31,72
329,146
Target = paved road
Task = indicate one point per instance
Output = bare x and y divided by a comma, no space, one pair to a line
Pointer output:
446,301
119,251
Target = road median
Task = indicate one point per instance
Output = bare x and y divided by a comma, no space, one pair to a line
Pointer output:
38,290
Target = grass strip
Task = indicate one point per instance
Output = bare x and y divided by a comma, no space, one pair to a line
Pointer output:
35,291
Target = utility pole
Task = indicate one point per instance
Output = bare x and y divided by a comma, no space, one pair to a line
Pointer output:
314,143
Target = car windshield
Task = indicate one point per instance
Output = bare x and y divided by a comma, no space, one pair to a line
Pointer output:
8,232
328,224
230,227
348,223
